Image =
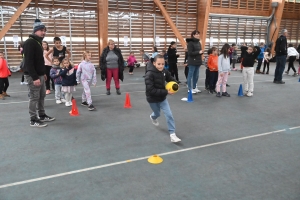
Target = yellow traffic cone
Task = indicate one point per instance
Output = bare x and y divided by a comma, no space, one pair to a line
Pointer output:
155,159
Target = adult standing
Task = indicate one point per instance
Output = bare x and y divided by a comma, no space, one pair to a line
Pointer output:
172,60
112,66
34,72
281,53
194,60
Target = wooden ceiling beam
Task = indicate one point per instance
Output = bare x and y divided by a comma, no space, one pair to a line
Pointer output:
13,18
170,22
204,7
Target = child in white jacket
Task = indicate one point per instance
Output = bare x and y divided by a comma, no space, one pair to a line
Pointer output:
224,71
292,56
86,74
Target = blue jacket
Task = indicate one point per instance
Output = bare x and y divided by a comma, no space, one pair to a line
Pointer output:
261,55
68,76
55,74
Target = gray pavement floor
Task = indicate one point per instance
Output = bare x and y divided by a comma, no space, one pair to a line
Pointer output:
239,148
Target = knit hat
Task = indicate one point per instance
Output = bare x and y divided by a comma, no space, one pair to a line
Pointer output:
38,25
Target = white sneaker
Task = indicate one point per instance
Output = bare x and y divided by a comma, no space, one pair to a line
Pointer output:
67,104
21,83
249,94
193,92
63,100
197,90
174,138
245,93
25,83
154,121
70,103
58,101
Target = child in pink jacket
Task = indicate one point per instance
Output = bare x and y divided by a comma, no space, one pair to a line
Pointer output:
130,62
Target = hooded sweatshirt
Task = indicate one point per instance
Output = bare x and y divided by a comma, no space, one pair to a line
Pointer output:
223,63
194,47
86,72
172,57
4,71
131,60
155,81
293,52
54,74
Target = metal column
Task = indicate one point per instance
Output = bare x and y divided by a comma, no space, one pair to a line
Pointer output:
130,30
70,34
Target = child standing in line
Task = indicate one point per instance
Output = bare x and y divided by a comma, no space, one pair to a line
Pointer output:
248,70
86,74
47,67
58,51
234,56
57,79
292,56
4,74
130,62
267,58
69,82
207,75
213,69
156,93
224,71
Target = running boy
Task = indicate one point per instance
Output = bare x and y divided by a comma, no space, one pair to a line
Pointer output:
156,93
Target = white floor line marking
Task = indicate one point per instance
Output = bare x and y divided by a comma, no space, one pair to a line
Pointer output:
294,128
135,159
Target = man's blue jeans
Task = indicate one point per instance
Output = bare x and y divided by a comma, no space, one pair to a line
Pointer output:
193,74
280,65
164,105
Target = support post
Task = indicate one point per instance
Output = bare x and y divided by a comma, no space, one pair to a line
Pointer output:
170,22
102,24
70,34
275,25
14,18
4,41
202,19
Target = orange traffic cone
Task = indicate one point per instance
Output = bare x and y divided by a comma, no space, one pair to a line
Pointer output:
74,111
127,101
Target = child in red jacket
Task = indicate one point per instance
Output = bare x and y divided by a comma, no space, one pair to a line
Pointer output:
4,74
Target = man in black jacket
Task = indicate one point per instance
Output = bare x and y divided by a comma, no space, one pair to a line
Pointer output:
34,72
281,53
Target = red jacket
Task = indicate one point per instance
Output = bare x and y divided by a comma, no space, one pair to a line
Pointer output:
212,63
4,71
131,60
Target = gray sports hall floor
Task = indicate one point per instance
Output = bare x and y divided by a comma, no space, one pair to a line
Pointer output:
240,148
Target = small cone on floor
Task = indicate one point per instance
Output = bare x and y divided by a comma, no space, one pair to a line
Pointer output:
74,112
155,159
127,103
190,97
240,93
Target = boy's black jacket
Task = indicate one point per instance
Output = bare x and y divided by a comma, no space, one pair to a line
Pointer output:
155,84
249,59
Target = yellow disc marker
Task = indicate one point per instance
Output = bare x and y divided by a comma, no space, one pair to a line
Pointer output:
172,86
155,159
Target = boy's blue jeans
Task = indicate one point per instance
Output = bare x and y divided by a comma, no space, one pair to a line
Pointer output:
164,105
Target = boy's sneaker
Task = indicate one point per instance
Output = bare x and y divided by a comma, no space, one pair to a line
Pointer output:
245,93
68,104
210,91
63,100
249,94
58,101
84,103
174,138
154,121
225,94
91,107
37,123
218,94
46,118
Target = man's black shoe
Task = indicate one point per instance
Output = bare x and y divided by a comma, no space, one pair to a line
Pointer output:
280,82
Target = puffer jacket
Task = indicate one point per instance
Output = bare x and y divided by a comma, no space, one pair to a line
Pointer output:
194,47
103,63
155,81
4,71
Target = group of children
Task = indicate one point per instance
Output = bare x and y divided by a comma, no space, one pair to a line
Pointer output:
65,76
218,69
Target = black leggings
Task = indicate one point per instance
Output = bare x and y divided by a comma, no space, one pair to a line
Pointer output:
3,85
266,64
22,79
131,68
174,70
48,68
291,63
213,78
207,78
